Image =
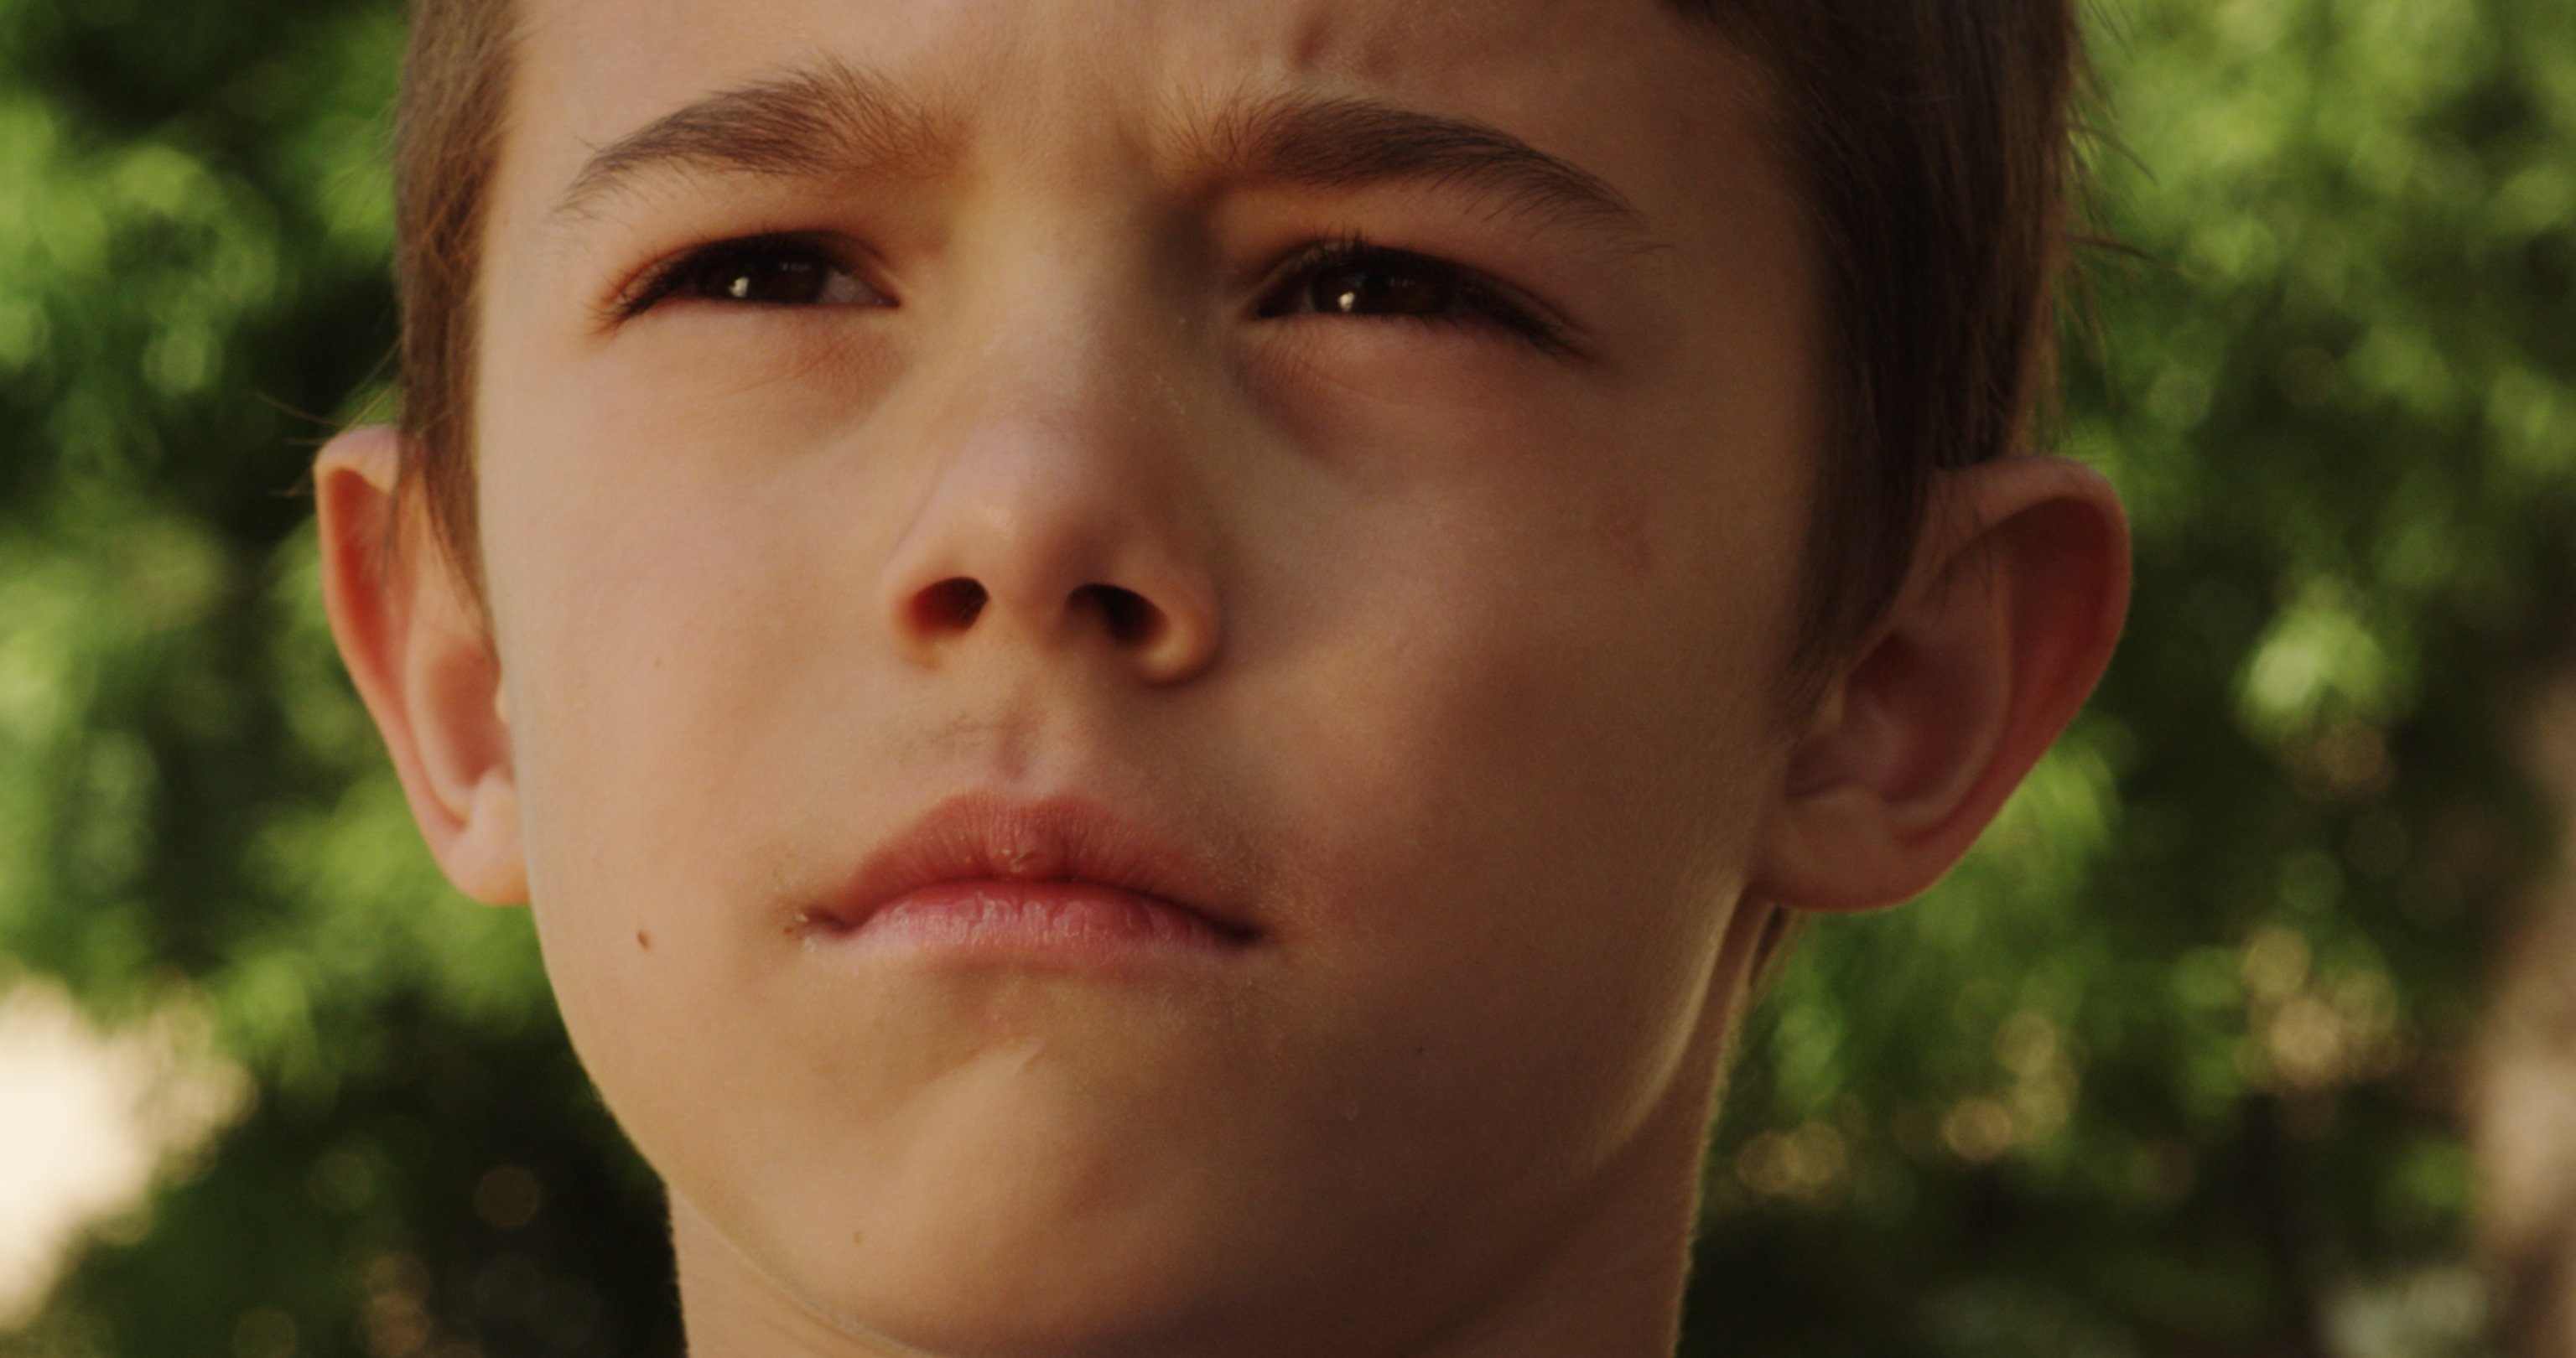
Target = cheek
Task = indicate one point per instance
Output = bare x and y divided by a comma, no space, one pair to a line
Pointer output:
1522,869
1522,721
661,621
684,689
761,384
647,531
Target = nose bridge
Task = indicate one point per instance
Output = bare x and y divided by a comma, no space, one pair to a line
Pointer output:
1058,506
1067,337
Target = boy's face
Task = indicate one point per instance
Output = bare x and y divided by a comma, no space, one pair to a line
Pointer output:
1330,472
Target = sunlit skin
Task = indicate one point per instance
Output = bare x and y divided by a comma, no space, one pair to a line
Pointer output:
1390,560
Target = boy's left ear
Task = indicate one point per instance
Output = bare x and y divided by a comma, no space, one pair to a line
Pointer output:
1993,642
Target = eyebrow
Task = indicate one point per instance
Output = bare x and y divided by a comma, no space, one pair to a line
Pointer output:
835,121
1342,143
827,122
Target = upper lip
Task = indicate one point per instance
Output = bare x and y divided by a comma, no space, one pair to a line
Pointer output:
983,837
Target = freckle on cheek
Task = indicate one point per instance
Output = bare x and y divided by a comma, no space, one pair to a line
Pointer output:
1623,532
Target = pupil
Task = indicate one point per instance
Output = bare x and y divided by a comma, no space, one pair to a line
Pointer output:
767,280
1379,290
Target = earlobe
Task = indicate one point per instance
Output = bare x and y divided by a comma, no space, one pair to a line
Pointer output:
418,650
1997,636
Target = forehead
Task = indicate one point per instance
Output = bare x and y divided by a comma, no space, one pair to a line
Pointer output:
1626,88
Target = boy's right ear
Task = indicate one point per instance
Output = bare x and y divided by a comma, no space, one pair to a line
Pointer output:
423,661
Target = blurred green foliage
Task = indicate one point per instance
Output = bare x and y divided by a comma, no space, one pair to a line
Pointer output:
2169,1066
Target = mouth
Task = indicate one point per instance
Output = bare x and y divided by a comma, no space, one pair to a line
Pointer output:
1055,880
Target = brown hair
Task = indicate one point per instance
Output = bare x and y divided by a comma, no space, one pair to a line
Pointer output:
1929,140
448,128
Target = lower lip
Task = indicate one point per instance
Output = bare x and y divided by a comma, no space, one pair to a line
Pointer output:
1068,921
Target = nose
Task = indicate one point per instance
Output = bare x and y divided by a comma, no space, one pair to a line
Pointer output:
1062,515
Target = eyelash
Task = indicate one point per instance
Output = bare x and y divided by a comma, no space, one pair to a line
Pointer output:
676,276
1476,299
1466,297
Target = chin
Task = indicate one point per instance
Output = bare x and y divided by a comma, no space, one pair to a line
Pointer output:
1027,1225
1003,1284
1041,1308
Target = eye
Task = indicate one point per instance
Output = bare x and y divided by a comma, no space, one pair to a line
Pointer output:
781,271
1386,286
1355,278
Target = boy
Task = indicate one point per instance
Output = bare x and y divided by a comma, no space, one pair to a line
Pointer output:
1158,667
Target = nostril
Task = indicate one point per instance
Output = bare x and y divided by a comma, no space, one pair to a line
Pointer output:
1132,618
951,605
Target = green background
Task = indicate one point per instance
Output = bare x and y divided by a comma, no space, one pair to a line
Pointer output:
2173,1065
